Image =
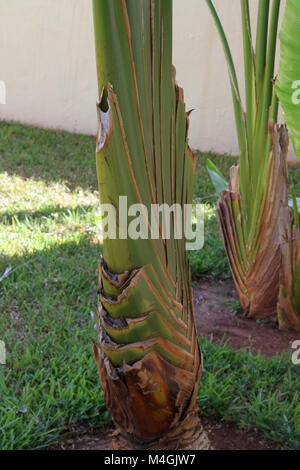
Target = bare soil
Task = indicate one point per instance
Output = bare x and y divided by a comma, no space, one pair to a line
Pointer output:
216,316
223,436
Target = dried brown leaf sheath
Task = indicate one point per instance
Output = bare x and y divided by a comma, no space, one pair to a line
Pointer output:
288,307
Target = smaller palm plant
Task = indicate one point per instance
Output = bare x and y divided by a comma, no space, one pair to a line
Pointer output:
250,208
288,307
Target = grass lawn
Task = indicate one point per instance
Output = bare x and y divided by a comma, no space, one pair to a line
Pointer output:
49,247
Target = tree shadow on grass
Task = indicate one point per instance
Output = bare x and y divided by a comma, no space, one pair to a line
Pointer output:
47,323
8,216
57,279
47,155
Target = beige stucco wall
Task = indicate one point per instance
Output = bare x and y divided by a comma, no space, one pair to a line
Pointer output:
48,65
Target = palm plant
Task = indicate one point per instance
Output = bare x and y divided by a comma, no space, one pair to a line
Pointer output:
148,356
250,208
288,307
286,88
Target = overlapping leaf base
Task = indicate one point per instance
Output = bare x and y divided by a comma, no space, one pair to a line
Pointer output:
255,262
149,364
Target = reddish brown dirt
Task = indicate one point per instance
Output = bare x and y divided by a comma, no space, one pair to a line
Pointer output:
223,436
214,316
227,436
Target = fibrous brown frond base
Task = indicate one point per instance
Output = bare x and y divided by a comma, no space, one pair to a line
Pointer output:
153,405
149,372
187,435
288,308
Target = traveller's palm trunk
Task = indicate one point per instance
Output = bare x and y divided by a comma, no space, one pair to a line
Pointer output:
147,355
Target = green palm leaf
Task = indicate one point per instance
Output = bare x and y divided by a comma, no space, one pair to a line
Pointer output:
288,91
218,180
288,80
